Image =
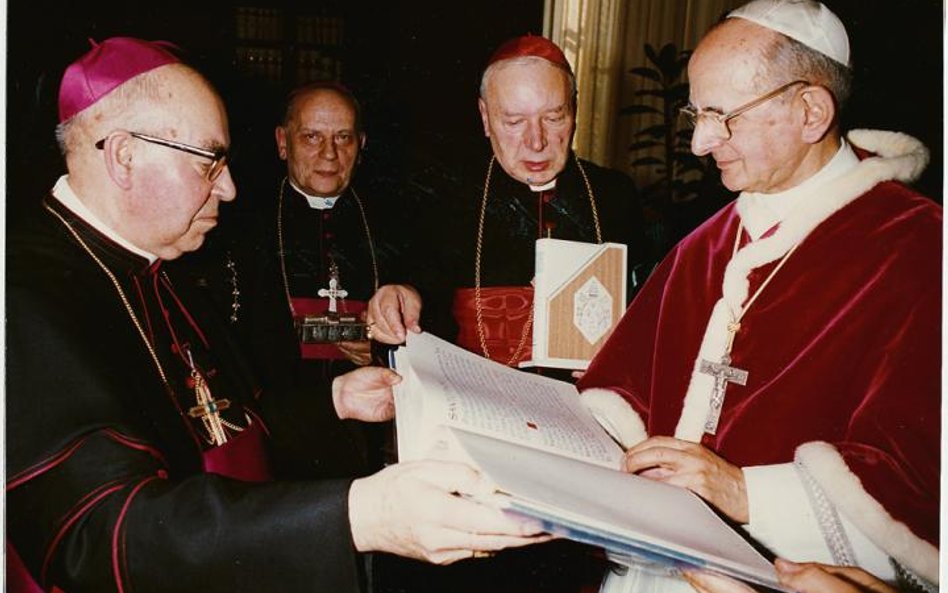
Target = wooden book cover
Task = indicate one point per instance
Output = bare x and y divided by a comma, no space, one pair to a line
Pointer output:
580,293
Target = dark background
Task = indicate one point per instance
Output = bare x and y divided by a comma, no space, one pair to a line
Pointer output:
415,66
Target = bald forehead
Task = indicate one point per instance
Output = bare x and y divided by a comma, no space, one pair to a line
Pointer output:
321,98
175,80
736,50
165,94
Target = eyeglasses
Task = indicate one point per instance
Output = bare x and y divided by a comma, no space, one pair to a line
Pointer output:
218,157
721,120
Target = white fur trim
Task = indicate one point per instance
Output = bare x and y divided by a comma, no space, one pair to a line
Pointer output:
615,415
844,489
898,156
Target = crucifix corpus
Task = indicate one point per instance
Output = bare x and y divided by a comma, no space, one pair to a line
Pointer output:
723,374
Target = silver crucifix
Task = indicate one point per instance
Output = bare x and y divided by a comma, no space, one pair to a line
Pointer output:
723,374
334,291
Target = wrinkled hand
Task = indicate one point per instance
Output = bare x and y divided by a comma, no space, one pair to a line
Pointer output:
810,577
393,311
365,394
691,466
357,352
709,582
410,509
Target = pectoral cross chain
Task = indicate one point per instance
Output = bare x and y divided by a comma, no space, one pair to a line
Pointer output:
209,413
208,409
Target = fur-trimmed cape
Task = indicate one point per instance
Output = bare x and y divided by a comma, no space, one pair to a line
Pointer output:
843,348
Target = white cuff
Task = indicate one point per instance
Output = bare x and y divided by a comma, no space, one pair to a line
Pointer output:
781,517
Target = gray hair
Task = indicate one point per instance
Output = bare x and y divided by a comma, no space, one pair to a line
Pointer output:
527,60
119,108
787,59
299,93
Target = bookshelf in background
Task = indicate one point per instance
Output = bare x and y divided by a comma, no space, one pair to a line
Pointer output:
288,47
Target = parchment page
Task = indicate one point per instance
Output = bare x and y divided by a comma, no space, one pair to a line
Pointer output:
489,398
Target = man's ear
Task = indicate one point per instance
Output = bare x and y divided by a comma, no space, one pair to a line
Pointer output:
362,139
819,113
280,135
117,151
482,107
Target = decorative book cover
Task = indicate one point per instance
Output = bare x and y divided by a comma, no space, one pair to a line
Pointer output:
580,293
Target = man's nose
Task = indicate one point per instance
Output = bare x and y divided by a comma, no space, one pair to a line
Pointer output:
706,137
535,137
224,188
328,150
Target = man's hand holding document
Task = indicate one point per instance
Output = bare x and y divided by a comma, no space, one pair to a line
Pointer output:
550,460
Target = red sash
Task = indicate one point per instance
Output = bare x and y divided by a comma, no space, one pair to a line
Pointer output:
307,306
19,580
504,312
242,457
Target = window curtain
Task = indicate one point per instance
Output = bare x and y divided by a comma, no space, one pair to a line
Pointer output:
603,40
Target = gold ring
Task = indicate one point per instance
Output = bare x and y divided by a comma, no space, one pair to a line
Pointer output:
481,554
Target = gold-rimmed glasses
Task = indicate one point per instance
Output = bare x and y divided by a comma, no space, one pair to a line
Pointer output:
218,157
721,120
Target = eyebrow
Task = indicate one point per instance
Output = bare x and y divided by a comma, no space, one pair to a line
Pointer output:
557,109
209,145
215,146
307,129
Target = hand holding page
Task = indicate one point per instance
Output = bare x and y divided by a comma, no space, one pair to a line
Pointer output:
550,460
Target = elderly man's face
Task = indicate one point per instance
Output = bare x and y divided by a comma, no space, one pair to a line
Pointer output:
320,143
174,204
765,152
528,116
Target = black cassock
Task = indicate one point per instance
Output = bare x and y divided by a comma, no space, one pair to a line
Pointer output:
514,218
285,247
109,478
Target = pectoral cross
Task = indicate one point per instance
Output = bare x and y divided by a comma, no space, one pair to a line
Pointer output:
723,374
334,291
208,409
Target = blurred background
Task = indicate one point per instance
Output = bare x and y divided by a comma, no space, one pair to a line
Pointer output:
415,67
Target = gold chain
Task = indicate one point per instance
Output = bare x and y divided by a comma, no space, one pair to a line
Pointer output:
592,199
280,245
128,308
478,308
735,324
121,293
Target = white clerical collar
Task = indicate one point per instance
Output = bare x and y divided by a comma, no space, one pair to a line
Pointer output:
316,202
545,187
761,212
63,192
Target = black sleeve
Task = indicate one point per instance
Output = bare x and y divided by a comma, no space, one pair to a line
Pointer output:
99,501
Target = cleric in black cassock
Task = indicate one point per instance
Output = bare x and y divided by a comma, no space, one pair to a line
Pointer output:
139,450
312,236
533,187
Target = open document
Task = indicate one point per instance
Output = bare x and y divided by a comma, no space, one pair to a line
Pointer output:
550,460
